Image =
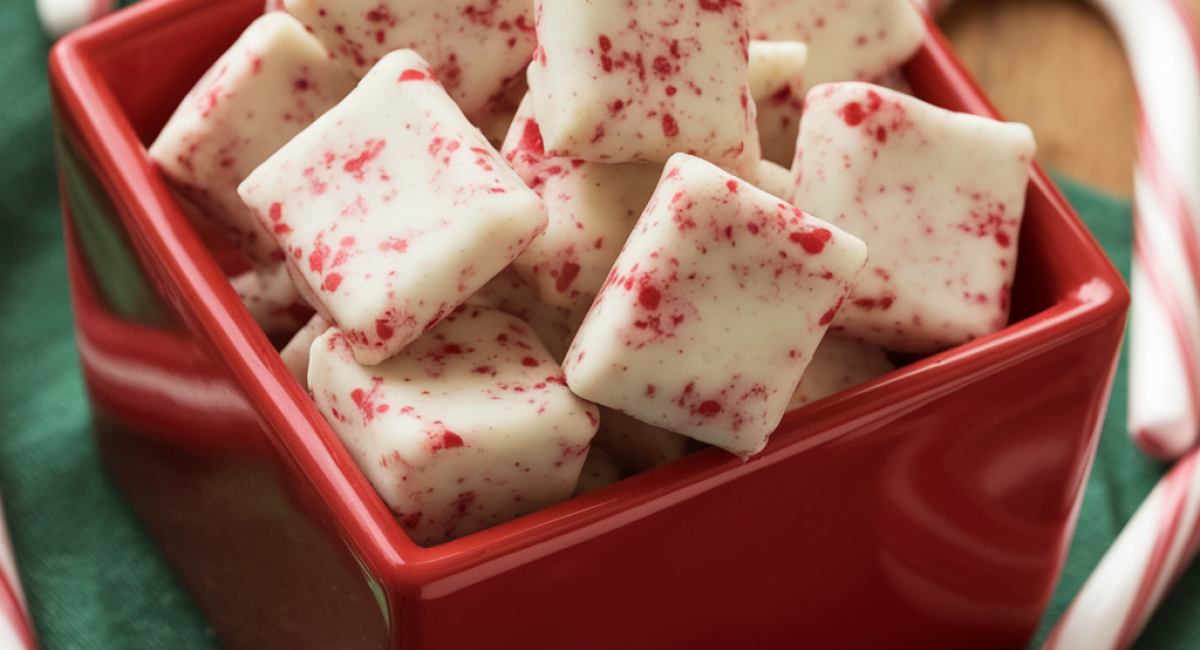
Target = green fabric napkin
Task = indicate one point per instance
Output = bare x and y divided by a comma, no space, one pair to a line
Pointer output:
93,577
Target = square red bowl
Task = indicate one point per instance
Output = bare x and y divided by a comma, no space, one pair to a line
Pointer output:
931,508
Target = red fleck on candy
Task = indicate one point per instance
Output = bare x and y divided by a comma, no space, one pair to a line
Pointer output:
812,241
413,75
709,407
853,113
276,211
530,362
570,270
669,126
332,282
355,165
648,297
733,187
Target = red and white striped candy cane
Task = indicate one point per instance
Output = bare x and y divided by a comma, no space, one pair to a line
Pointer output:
16,633
1137,570
1164,340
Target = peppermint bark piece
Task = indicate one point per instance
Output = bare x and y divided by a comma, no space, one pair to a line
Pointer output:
475,48
938,197
840,362
713,309
638,80
848,40
470,426
776,85
591,207
392,208
270,84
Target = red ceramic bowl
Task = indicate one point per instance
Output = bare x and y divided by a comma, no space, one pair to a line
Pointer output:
931,508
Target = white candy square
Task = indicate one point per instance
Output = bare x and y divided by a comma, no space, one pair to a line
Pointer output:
638,80
839,363
270,84
474,48
937,196
392,208
591,207
848,40
776,85
470,426
713,309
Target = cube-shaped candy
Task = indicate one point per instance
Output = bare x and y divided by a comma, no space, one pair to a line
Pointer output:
392,208
636,446
511,294
776,85
475,48
848,40
840,362
713,309
638,80
938,197
272,300
591,208
296,352
599,470
270,84
470,426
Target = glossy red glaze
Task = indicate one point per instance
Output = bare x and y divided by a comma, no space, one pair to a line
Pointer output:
931,508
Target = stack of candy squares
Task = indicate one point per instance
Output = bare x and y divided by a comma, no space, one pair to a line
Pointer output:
545,245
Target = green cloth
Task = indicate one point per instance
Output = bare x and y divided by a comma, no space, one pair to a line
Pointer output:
93,577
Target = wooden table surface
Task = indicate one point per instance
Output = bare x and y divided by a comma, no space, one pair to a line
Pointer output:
1057,66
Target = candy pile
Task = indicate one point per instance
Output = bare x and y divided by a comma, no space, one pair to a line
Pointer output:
549,244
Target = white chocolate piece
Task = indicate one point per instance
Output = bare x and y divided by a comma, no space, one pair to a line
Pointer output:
775,179
713,309
510,293
637,80
937,196
592,207
295,354
272,299
637,447
775,64
598,471
839,363
474,48
274,81
848,40
393,208
776,85
470,426
61,17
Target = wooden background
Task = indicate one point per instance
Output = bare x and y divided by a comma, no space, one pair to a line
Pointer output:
1057,66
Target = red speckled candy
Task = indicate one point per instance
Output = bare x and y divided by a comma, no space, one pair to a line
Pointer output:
938,198
274,81
592,207
392,209
848,40
776,85
272,300
511,294
638,80
839,363
475,48
713,309
470,426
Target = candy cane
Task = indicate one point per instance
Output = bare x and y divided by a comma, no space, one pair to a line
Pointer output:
58,17
1164,399
15,630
